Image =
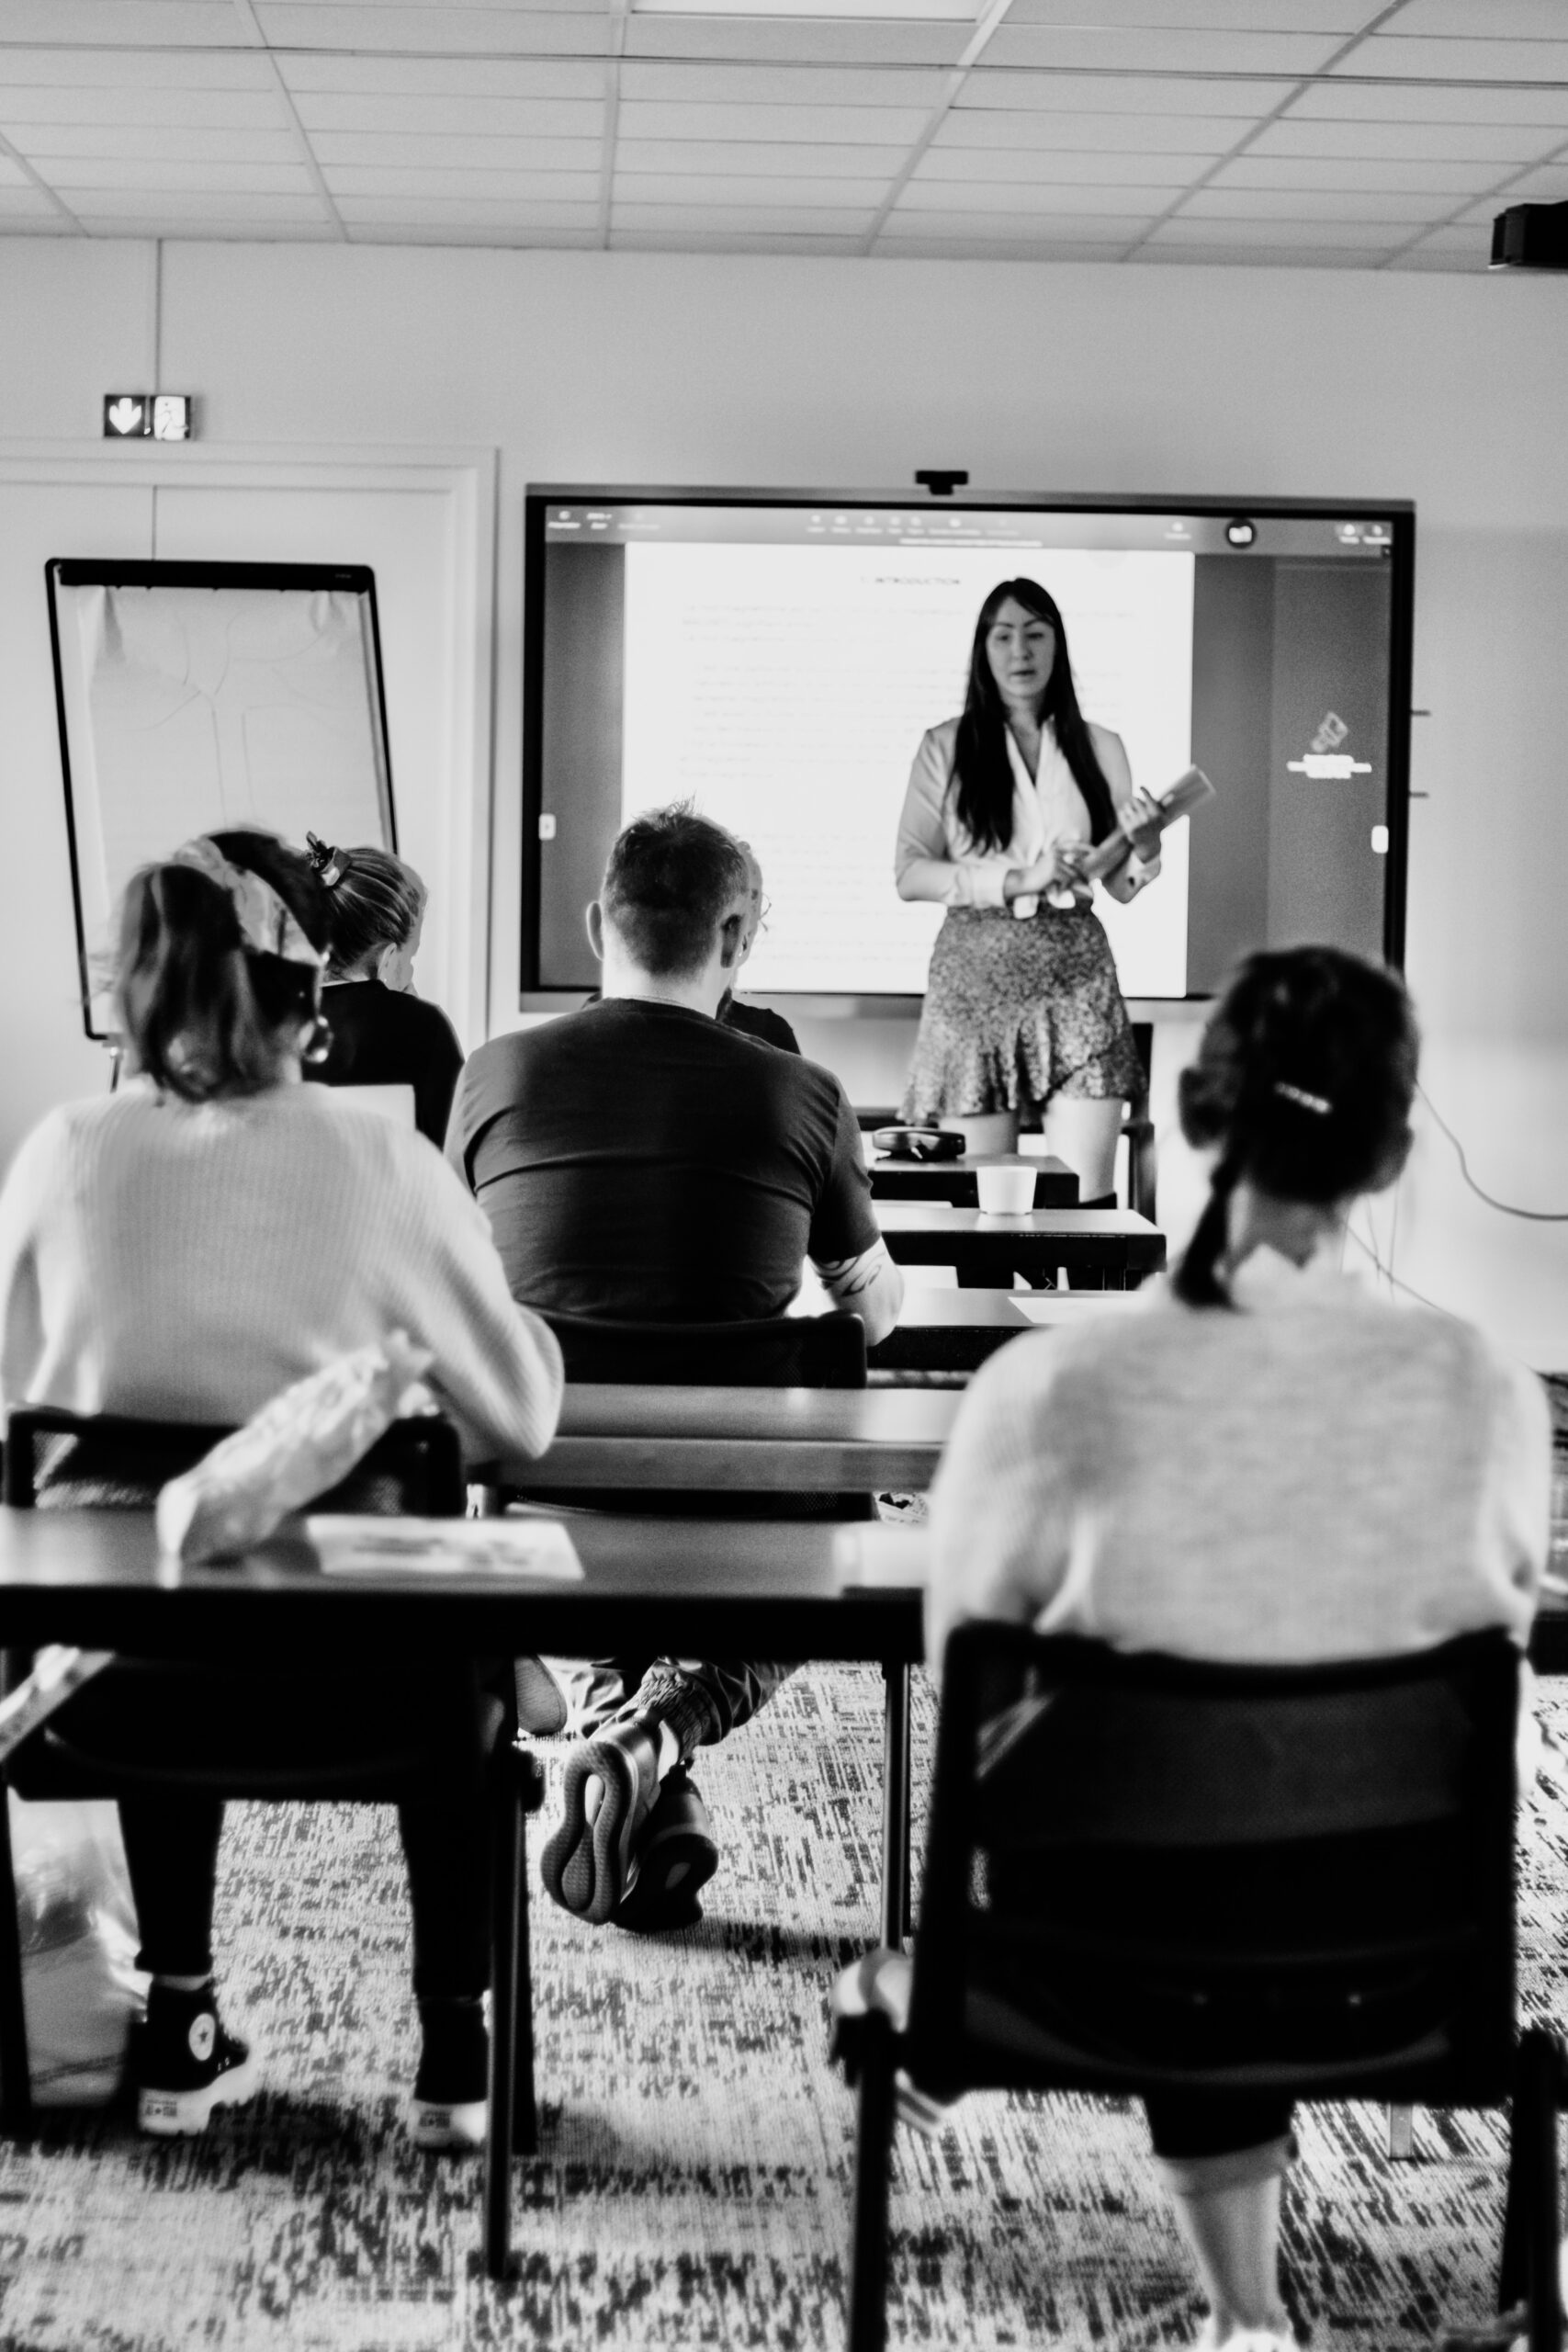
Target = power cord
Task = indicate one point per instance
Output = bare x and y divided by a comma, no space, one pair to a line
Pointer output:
1533,1216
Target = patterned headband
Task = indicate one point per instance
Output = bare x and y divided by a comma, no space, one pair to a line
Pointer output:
266,924
1319,1105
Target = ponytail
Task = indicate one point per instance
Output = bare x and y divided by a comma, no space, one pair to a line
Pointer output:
1305,1081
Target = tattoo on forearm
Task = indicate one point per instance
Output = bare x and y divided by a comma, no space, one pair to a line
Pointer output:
848,1277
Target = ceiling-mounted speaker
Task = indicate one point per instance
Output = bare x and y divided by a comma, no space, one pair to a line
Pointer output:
1530,236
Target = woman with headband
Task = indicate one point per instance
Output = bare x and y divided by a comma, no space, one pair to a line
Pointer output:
1272,1465
183,1249
382,1035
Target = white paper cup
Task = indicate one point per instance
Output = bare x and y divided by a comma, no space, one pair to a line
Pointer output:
1005,1191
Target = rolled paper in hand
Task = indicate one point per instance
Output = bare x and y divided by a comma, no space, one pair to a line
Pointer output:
1189,792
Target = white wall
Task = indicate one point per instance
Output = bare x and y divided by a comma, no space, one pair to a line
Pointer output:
646,368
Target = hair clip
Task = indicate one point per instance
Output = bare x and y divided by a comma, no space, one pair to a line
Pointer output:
1319,1105
332,864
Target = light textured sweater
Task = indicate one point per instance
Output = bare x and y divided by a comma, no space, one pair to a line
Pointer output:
1319,1476
185,1263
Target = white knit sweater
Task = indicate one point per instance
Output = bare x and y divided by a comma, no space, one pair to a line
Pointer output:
1319,1476
185,1263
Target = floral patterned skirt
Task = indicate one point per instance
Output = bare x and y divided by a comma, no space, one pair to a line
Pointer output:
1017,1011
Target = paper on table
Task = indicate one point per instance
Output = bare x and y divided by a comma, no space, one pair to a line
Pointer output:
1056,1306
881,1555
347,1546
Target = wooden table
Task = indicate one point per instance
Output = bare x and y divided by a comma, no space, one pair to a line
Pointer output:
1056,1184
748,1587
738,1441
955,1330
989,1250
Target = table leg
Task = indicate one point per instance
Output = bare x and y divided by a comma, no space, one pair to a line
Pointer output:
896,1805
506,1872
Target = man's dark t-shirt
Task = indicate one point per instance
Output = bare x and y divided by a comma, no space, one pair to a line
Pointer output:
643,1161
382,1036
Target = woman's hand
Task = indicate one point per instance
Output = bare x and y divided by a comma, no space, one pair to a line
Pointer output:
1057,870
1141,823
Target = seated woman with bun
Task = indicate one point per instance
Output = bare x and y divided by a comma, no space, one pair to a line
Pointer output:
180,1251
381,1033
1272,1464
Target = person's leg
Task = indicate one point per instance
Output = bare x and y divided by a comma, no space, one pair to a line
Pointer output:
1223,2161
1083,1131
184,2064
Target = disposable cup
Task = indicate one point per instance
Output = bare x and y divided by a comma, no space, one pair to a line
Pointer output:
1006,1191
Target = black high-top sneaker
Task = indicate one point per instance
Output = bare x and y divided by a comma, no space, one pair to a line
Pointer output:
450,2106
184,2064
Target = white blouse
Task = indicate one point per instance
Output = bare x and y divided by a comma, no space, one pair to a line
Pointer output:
936,858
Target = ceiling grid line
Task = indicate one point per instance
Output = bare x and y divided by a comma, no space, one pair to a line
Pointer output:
15,155
968,57
1323,73
610,136
246,11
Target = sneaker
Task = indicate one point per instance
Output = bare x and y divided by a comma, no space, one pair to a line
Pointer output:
676,1853
450,2106
612,1782
186,2063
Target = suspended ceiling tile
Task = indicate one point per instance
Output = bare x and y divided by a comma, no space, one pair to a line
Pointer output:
505,117
12,174
1108,231
1475,217
360,147
190,207
1324,256
1025,196
865,126
1504,19
645,241
1429,176
900,246
1460,61
742,157
168,177
197,109
1286,54
1312,204
41,141
413,190
1340,17
1459,241
131,69
455,77
1499,143
1041,166
814,41
1548,185
782,85
1339,100
172,24
458,212
443,30
490,233
754,193
741,219
1370,236
989,86
1089,134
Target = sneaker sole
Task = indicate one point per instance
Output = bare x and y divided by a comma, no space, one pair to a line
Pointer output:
586,1864
445,2125
672,1872
182,2115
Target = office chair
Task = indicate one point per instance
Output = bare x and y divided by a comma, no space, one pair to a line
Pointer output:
1145,1874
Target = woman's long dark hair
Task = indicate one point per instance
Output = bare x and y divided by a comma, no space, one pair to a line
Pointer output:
1305,1081
202,1013
982,773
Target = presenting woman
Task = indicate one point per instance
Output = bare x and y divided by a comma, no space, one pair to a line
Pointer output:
1022,1010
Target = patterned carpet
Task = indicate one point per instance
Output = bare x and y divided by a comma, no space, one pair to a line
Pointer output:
693,2188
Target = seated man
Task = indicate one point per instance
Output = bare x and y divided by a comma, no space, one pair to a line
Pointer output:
639,1160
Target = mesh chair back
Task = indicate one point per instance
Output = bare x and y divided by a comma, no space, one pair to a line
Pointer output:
788,1351
1145,1871
59,1460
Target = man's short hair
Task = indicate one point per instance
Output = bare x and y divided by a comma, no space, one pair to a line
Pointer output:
671,880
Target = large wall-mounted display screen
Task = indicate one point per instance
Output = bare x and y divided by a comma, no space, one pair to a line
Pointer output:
775,658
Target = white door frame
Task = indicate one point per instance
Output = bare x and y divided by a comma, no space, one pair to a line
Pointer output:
467,478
